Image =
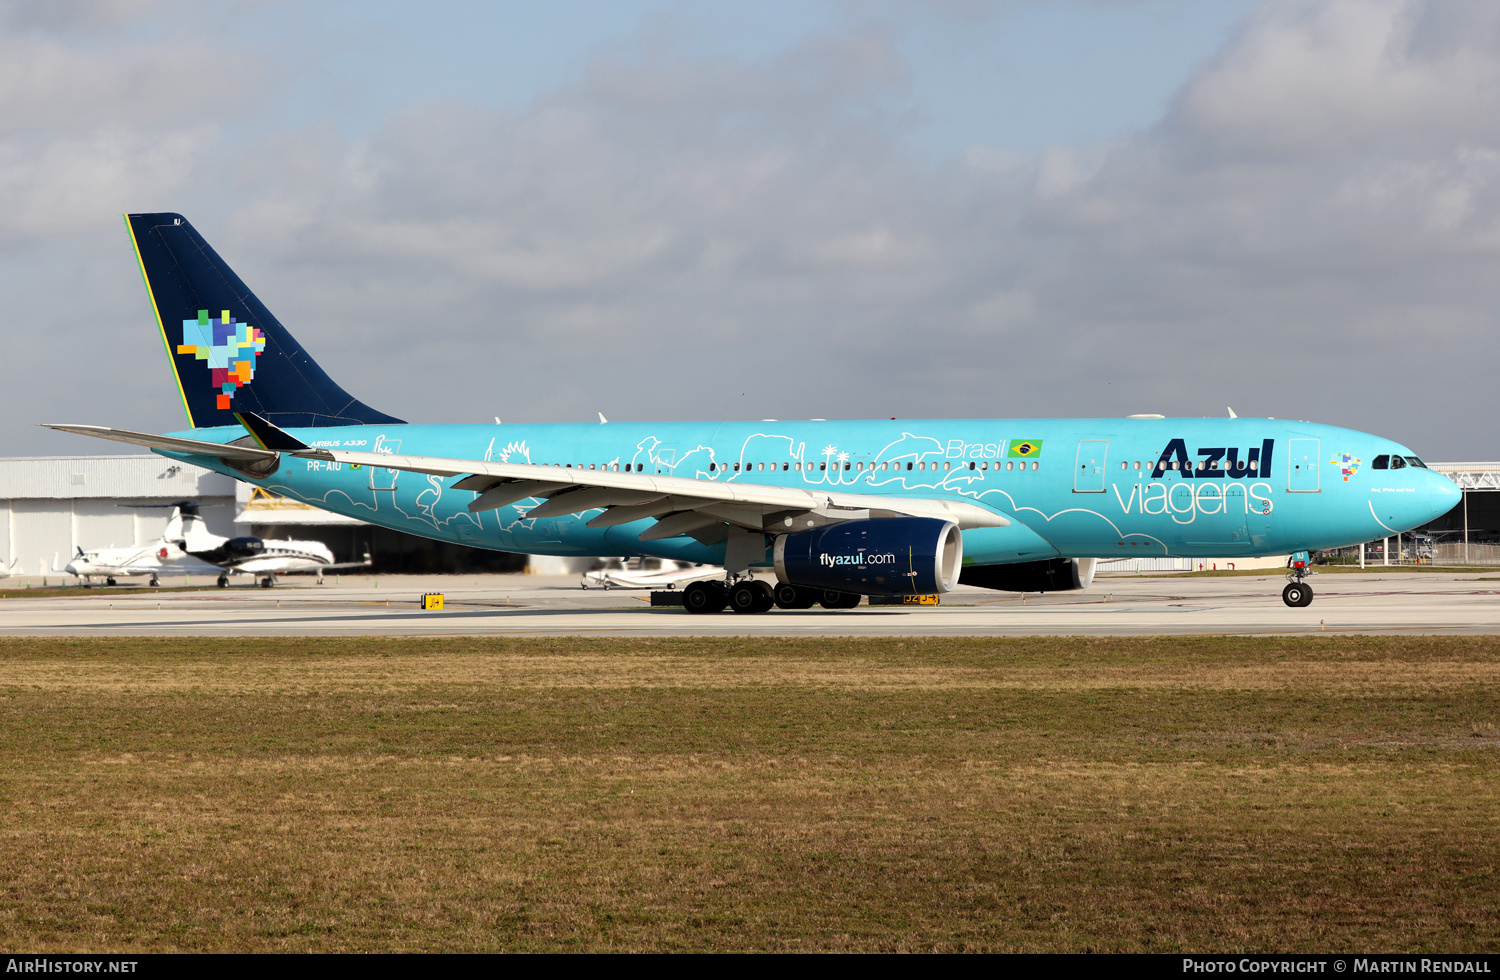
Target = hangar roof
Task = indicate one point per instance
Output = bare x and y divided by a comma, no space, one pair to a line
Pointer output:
1470,476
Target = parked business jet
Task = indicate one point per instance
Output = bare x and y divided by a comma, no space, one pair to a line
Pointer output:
834,510
648,573
150,561
188,547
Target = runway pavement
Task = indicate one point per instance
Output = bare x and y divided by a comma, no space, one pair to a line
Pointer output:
502,605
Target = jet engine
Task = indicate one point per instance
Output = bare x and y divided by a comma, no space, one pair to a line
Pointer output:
883,556
231,550
1048,575
244,547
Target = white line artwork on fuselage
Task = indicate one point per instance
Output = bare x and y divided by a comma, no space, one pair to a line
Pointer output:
766,452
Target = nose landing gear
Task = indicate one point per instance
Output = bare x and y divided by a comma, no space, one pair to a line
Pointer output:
1297,592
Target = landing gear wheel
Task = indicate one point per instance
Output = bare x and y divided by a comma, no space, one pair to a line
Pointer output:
1296,594
751,597
834,599
795,597
268,581
703,597
154,583
223,581
109,581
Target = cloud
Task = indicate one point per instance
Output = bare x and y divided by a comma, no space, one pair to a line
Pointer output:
1310,230
1308,79
48,86
77,16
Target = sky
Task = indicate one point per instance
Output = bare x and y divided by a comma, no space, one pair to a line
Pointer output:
819,209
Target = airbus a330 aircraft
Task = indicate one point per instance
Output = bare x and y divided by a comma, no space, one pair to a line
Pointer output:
837,509
188,547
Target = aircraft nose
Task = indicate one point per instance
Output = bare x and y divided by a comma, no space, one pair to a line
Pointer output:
1443,495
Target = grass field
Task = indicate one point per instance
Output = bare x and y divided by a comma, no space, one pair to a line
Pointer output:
826,794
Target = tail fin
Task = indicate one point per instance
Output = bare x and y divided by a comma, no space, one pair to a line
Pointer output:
228,352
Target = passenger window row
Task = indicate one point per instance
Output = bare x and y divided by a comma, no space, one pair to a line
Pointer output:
1202,465
1010,465
613,467
855,466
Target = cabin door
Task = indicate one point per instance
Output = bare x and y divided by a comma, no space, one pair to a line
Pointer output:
1088,468
1303,471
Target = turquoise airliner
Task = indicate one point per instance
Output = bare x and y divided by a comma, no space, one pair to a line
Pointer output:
833,510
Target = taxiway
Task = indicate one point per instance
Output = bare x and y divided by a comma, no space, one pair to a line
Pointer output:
1386,602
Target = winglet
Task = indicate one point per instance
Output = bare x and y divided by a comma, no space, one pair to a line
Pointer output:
269,436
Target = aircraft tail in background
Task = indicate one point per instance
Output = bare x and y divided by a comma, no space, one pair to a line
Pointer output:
228,353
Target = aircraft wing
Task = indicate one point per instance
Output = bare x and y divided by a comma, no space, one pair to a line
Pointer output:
336,566
681,505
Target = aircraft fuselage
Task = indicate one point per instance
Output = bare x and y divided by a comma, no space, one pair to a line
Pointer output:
1072,487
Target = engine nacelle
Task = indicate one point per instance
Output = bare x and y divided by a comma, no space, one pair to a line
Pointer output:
242,547
883,556
1048,575
232,550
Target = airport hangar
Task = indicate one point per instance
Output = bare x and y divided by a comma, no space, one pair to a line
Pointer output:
55,505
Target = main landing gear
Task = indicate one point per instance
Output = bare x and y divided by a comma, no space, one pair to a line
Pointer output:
751,596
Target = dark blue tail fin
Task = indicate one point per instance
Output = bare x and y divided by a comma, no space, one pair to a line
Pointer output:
228,352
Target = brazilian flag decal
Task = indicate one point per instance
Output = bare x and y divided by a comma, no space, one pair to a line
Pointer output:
1025,448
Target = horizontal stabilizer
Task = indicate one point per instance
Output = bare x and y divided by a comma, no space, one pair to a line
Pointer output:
171,444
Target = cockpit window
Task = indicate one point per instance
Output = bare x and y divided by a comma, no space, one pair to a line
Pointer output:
1414,461
1397,463
1381,463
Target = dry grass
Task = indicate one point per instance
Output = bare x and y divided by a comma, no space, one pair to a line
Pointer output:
826,794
